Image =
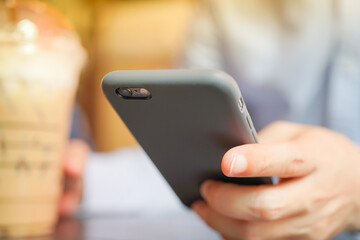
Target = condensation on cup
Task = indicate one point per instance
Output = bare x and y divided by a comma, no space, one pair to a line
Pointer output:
40,62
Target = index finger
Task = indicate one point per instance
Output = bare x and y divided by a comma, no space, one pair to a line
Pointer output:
253,203
265,160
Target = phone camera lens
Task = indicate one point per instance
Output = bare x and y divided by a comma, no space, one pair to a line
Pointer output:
125,92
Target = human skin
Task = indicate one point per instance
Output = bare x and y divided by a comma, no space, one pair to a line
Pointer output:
74,165
317,198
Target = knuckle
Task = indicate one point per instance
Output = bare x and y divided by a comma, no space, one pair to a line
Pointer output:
295,159
265,207
263,163
265,214
260,161
280,125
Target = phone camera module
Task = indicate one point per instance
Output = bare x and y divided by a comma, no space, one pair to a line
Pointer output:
133,93
124,92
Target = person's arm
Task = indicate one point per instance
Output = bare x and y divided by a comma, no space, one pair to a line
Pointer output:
318,196
203,46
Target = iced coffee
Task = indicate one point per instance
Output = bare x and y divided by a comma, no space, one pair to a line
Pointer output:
40,62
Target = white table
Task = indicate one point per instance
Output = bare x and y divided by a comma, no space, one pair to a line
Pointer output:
125,197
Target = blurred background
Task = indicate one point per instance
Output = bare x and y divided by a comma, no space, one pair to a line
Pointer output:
118,35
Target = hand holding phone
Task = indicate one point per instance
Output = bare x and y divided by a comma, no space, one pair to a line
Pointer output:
185,120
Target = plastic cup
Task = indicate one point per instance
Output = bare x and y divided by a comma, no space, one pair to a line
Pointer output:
40,63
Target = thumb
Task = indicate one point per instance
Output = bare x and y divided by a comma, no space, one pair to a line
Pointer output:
265,160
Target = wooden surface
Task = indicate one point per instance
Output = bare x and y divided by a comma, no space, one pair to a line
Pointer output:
119,35
160,225
131,35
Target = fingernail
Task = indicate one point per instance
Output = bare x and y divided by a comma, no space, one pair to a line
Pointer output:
238,164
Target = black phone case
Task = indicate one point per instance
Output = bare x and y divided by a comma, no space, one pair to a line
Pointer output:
191,120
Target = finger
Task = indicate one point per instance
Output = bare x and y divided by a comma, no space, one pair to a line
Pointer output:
279,132
235,229
224,225
70,201
75,158
256,203
227,238
272,159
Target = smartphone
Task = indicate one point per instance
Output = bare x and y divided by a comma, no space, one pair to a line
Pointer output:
185,120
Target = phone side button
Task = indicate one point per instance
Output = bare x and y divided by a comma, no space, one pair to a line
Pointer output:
241,104
249,122
254,136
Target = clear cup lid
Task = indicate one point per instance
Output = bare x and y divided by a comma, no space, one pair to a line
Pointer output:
30,20
37,30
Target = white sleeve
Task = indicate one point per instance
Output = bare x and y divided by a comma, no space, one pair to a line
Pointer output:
203,47
125,181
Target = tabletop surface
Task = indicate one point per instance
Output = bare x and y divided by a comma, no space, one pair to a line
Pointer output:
183,225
